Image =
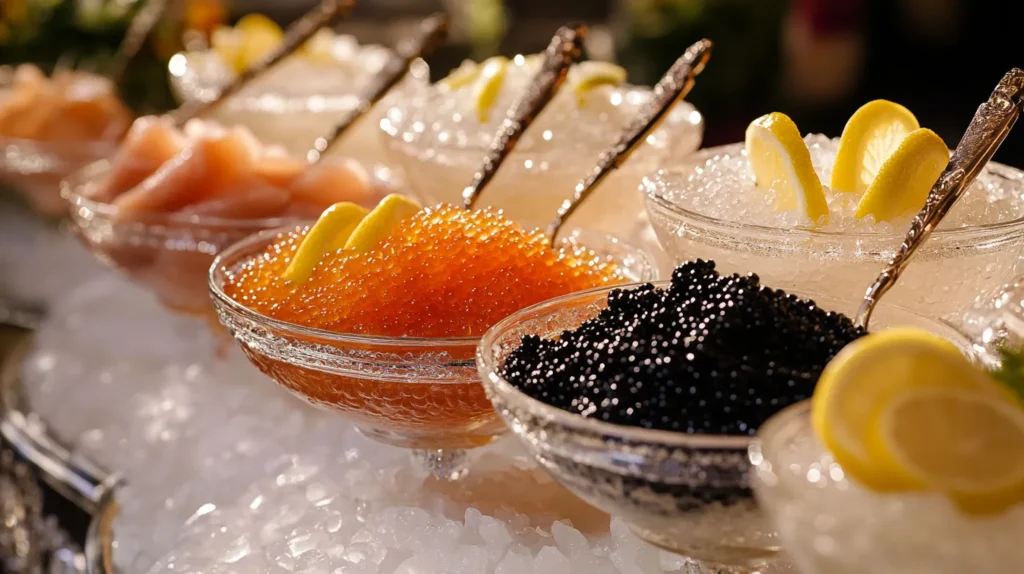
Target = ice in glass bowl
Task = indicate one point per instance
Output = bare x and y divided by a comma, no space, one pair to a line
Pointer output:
831,525
688,493
417,393
708,207
436,134
301,98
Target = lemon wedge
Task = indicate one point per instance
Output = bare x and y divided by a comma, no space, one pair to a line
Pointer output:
872,134
379,223
903,183
861,383
591,74
488,86
464,75
259,35
320,47
329,233
227,43
781,161
967,444
258,23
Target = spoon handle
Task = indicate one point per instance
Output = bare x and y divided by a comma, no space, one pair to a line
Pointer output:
564,49
987,130
303,29
138,30
672,87
432,33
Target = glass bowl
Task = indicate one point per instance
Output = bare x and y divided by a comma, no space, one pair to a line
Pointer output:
435,134
34,168
167,253
830,525
417,393
299,100
687,493
948,271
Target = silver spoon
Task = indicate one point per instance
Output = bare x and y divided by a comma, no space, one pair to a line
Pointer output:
139,28
564,49
672,87
432,33
987,130
324,14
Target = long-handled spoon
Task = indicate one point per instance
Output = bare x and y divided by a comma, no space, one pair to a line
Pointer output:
323,15
141,25
564,49
432,33
672,87
987,130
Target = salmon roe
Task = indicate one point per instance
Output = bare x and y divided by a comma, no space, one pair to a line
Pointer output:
445,272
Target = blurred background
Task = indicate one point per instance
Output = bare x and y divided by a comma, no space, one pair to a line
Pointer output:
817,60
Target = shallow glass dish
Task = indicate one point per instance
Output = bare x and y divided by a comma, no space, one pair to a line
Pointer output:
435,133
954,266
298,100
417,393
688,493
830,525
167,253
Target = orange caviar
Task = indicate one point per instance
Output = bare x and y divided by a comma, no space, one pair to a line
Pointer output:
445,272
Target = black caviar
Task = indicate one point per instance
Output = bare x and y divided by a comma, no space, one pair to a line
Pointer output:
709,354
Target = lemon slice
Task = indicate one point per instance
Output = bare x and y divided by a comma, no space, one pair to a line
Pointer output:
464,75
227,43
391,211
903,183
967,444
329,233
871,135
780,161
589,75
488,86
865,377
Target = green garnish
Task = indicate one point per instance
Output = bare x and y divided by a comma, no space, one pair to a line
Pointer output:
1011,371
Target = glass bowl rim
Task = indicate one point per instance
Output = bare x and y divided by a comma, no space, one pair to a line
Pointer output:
589,426
679,107
234,252
79,178
766,439
191,58
678,213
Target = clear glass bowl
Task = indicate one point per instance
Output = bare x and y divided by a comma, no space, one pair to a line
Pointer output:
299,100
687,493
830,525
947,273
435,134
35,168
416,393
167,253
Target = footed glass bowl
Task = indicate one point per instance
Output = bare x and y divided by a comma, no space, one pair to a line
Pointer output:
418,393
688,493
34,169
168,253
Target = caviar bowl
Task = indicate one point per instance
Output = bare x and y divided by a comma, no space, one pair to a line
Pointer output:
422,394
688,493
169,254
960,260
